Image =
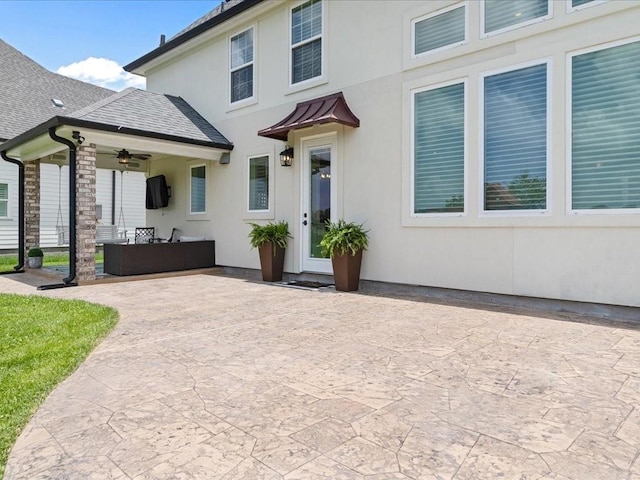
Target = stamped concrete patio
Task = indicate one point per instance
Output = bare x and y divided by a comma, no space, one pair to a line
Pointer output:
216,377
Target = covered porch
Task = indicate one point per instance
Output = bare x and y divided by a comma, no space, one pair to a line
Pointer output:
125,132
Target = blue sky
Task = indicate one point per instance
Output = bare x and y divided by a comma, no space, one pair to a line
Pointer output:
63,35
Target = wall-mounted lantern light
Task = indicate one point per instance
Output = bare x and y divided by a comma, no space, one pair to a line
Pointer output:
286,156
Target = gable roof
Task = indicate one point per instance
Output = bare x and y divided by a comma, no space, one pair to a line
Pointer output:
223,12
140,113
27,90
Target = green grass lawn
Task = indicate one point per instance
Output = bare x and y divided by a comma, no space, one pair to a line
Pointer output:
7,262
42,341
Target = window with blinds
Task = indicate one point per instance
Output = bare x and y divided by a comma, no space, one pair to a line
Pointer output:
306,41
503,15
515,139
605,114
4,200
241,62
259,183
579,3
198,189
439,149
443,29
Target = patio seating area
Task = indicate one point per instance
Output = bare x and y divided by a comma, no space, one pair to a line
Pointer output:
210,376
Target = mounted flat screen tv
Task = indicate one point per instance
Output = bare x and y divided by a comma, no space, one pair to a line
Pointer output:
157,192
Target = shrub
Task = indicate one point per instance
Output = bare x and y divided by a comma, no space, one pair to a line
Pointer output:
342,238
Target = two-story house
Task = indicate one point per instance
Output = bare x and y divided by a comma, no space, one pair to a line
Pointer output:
488,145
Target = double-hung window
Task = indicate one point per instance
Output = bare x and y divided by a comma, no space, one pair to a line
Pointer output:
440,30
4,200
503,15
306,41
259,184
241,62
439,149
198,200
515,139
605,121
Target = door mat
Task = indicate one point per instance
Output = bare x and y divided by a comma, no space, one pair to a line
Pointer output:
307,285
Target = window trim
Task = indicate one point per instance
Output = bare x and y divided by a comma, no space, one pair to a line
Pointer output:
548,61
572,9
569,131
269,184
6,200
416,20
253,98
413,92
310,82
206,187
533,21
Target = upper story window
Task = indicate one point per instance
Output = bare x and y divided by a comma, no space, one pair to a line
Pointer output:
306,41
605,114
439,149
241,51
515,138
503,15
259,183
4,200
198,198
442,29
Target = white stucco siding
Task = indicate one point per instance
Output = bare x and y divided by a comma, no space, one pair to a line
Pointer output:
556,254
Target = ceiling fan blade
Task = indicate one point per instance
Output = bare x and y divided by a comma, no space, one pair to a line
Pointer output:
141,156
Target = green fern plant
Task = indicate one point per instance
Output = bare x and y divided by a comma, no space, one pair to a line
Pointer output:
276,233
342,238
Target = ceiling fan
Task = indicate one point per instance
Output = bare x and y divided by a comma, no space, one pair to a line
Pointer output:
124,157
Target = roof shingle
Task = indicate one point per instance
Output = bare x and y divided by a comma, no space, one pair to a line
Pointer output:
27,90
152,112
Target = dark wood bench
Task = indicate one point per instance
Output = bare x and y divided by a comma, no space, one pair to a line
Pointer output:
138,259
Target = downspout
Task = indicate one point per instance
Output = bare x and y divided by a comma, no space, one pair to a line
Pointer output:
72,204
19,268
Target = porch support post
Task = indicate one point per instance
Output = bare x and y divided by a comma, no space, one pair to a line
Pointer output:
31,206
86,212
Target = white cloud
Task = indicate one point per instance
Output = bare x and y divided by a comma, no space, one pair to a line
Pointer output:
103,72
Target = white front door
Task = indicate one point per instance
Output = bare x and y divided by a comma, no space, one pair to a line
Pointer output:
318,199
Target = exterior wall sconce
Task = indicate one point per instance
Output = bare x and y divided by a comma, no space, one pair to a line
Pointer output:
286,156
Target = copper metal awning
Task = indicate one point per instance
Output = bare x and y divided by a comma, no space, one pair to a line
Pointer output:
330,109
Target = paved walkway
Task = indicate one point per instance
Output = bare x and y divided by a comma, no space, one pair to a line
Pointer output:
213,377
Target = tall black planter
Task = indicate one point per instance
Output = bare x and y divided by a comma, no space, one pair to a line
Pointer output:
346,271
271,265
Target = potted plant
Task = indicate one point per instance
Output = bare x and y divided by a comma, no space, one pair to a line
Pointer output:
344,243
271,241
35,255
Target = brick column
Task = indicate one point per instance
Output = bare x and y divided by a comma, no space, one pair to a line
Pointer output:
31,206
86,212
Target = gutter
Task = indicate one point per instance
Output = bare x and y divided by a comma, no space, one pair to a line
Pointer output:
19,268
59,121
68,281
